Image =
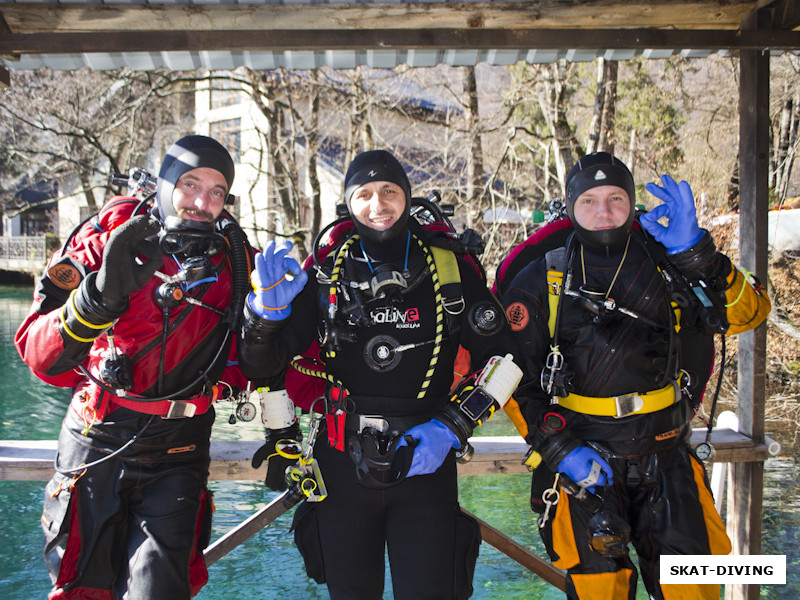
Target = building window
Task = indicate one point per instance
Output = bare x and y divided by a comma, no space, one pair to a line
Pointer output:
222,95
229,134
35,223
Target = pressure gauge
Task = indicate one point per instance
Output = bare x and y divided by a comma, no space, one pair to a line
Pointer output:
704,451
246,411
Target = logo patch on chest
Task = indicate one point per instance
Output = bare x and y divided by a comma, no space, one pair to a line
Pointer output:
518,316
402,319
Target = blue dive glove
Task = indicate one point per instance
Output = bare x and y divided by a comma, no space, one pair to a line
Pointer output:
682,232
272,292
435,440
586,468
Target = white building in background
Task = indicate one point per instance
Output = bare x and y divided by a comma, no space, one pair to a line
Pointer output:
235,121
231,118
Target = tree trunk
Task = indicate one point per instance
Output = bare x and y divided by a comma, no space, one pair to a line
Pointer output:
607,134
593,135
732,198
564,142
88,192
632,153
784,143
475,158
311,166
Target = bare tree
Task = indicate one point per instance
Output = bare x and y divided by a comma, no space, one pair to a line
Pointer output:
83,125
784,131
601,133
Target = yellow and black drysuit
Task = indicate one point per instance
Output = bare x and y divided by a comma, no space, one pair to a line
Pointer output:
628,388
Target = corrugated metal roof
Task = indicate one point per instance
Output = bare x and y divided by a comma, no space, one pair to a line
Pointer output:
336,59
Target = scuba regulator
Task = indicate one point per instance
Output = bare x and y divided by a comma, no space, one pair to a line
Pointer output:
191,245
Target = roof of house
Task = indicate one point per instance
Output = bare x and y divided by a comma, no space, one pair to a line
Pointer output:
304,34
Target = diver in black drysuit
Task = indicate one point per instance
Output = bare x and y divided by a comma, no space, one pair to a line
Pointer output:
395,357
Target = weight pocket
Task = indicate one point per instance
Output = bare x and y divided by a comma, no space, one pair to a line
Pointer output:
306,537
468,541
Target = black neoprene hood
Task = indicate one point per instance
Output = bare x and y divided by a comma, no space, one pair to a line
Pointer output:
377,165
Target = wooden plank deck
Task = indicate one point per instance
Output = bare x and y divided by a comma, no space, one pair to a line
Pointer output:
230,460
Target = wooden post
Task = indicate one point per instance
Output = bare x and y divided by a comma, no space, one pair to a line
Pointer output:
745,494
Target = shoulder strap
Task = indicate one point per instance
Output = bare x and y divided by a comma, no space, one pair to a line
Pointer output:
555,261
549,237
449,279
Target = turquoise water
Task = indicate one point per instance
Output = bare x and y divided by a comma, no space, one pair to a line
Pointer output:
268,566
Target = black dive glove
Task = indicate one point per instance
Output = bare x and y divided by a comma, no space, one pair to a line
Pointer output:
281,458
121,274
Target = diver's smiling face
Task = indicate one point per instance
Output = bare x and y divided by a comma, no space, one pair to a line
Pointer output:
378,204
200,195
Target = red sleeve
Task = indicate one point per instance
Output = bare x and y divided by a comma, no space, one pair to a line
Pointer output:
39,345
38,339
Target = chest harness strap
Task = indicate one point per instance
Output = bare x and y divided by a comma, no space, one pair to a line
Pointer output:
555,383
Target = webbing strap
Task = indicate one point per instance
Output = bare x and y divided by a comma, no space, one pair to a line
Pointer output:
622,406
449,279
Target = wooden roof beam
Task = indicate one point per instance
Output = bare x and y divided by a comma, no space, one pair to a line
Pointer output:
77,16
398,39
781,14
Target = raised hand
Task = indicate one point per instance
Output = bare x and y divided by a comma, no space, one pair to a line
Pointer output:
121,273
273,291
682,232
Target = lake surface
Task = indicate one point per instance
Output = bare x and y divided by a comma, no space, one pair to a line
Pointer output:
268,566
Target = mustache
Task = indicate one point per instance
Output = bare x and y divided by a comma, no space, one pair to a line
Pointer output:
197,213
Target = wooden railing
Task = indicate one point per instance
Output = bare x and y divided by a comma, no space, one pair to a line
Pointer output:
230,461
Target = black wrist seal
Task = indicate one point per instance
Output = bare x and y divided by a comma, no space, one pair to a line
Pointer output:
292,432
91,306
696,257
555,447
256,328
456,421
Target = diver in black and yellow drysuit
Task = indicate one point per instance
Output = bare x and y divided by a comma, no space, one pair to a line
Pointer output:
390,337
616,352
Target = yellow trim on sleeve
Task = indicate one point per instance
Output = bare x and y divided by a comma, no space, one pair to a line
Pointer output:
81,319
63,319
